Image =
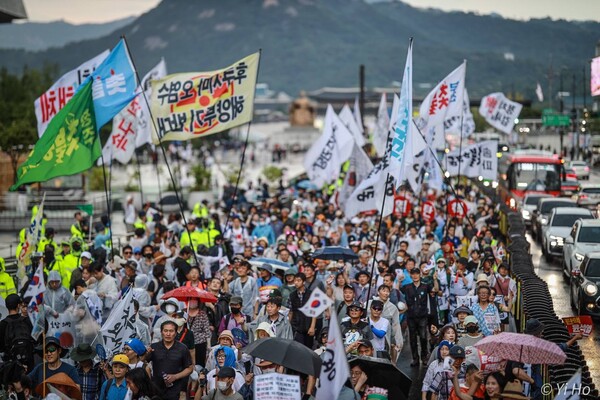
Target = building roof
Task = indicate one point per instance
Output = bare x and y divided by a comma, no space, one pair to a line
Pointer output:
12,9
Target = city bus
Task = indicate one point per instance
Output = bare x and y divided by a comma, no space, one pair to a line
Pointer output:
528,171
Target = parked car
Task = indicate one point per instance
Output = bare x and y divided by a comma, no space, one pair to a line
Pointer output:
588,195
583,238
540,215
529,203
581,169
558,228
584,286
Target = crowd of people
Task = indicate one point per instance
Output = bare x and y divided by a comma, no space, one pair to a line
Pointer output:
443,282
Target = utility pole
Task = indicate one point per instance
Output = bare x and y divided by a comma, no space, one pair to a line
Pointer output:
561,131
574,120
361,99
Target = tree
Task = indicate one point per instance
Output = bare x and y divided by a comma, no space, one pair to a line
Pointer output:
18,130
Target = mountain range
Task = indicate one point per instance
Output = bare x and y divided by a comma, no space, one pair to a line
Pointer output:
35,36
308,44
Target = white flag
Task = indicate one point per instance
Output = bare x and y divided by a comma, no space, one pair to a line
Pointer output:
499,111
316,303
33,236
539,93
403,126
416,158
476,160
382,127
120,325
572,390
454,122
360,166
394,117
347,118
443,103
334,370
54,99
144,128
357,115
369,194
325,157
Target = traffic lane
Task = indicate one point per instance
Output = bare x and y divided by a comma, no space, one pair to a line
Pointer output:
559,290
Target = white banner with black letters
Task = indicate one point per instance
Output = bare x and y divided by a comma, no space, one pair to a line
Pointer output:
499,111
325,157
334,370
476,160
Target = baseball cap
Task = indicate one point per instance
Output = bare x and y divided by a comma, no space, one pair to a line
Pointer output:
266,267
470,319
377,304
86,254
235,300
366,343
457,352
121,359
415,271
226,372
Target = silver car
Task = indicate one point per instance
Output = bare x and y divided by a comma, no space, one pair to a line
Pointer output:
583,238
588,195
558,228
529,204
581,168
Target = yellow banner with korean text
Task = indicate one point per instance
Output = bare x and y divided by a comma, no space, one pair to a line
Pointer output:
195,104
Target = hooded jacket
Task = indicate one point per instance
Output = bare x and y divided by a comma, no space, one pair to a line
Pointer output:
7,285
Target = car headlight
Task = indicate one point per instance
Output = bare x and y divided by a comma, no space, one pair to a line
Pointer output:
526,214
578,257
544,220
590,289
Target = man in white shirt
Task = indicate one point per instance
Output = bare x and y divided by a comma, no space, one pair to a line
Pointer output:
414,241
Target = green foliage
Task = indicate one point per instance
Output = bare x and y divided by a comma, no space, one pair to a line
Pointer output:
95,177
202,176
272,173
232,175
18,130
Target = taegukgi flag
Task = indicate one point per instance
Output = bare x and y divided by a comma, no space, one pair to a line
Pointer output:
316,303
196,104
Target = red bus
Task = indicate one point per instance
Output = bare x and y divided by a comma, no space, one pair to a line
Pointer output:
528,171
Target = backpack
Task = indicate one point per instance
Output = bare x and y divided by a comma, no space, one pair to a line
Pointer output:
19,340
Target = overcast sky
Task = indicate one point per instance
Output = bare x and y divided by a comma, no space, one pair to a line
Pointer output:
84,11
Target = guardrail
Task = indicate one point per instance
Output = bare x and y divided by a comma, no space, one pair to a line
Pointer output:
534,301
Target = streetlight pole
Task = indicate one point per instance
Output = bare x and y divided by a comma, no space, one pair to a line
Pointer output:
561,109
574,120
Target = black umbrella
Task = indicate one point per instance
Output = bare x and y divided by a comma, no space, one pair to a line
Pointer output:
335,253
382,373
286,352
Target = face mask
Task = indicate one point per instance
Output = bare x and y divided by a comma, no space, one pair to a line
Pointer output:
223,386
472,328
48,256
76,246
235,311
170,308
193,304
267,370
380,269
399,259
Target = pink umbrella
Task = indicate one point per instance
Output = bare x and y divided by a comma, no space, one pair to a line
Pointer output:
522,348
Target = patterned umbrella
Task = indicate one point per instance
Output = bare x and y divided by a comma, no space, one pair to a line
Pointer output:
522,348
184,293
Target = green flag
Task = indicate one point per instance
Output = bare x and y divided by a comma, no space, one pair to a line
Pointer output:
69,146
87,208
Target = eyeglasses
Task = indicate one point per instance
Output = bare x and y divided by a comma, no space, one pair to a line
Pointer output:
376,308
354,309
356,373
220,355
51,349
126,252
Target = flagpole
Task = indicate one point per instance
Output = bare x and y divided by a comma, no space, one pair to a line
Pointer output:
443,172
160,143
462,112
108,212
157,176
139,171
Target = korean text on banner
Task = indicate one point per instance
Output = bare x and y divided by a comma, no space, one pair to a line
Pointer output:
442,105
476,160
360,166
69,146
334,370
499,111
323,160
275,386
452,124
195,104
54,99
580,324
120,324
